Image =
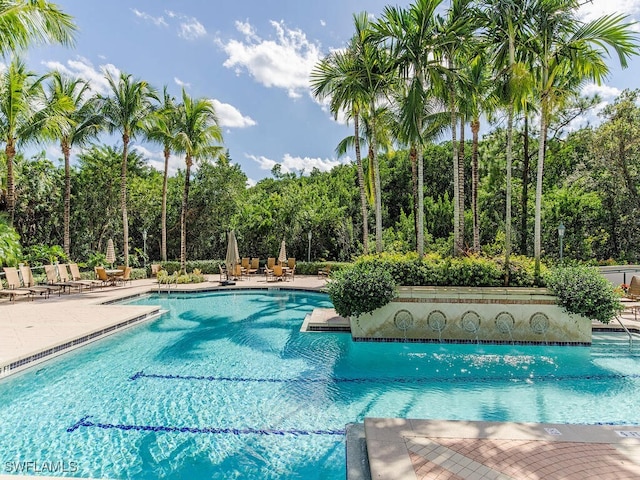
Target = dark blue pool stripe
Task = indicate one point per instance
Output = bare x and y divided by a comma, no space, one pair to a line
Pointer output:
408,380
85,422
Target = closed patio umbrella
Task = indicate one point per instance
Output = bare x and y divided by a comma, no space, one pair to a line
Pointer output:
111,253
233,257
282,258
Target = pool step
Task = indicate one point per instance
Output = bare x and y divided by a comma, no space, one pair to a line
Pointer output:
605,344
325,320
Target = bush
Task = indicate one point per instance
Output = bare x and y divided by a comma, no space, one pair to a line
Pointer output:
584,291
165,278
361,289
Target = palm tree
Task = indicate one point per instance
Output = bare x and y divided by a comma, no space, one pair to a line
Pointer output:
412,37
125,111
338,76
375,67
568,52
21,93
196,131
23,22
161,128
504,33
77,124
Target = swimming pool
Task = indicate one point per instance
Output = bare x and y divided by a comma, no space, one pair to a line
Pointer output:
225,386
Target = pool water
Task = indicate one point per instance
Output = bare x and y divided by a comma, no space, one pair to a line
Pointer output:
225,386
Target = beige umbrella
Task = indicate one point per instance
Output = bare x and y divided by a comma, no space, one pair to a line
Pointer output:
233,257
282,258
111,253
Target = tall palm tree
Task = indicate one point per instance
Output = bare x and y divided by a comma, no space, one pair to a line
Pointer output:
411,34
23,22
77,124
505,32
338,76
161,128
196,132
375,66
125,111
21,94
455,32
568,52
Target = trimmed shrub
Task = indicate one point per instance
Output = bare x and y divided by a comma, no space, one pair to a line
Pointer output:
584,291
361,289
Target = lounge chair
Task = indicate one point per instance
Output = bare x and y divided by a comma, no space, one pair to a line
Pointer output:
13,280
278,272
76,277
238,272
28,281
246,263
254,267
64,283
63,273
14,291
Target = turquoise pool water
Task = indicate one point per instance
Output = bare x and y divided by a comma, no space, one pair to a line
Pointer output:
225,386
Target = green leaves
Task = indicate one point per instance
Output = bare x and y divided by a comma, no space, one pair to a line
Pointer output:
584,291
361,289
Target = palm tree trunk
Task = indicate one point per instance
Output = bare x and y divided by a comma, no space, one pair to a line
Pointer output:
163,220
123,199
376,181
183,218
67,198
363,196
461,164
537,244
507,216
413,159
475,129
525,189
456,178
10,151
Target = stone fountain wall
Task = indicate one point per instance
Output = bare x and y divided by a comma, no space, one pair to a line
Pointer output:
470,315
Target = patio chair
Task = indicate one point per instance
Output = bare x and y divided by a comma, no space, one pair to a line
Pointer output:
29,282
12,293
126,276
155,268
52,279
238,272
278,272
246,263
324,272
13,280
271,261
290,273
101,273
254,267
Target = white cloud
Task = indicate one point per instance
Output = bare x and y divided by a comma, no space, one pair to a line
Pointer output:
230,116
323,23
84,69
180,83
606,92
251,182
191,28
300,164
594,9
285,62
157,21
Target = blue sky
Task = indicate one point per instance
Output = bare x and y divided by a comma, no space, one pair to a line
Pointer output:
251,57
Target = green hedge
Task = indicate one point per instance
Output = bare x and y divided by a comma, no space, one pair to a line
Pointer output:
584,291
435,270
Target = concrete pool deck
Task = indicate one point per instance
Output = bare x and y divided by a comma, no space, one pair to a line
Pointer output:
397,448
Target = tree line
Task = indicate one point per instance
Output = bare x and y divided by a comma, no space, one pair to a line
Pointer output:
404,81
